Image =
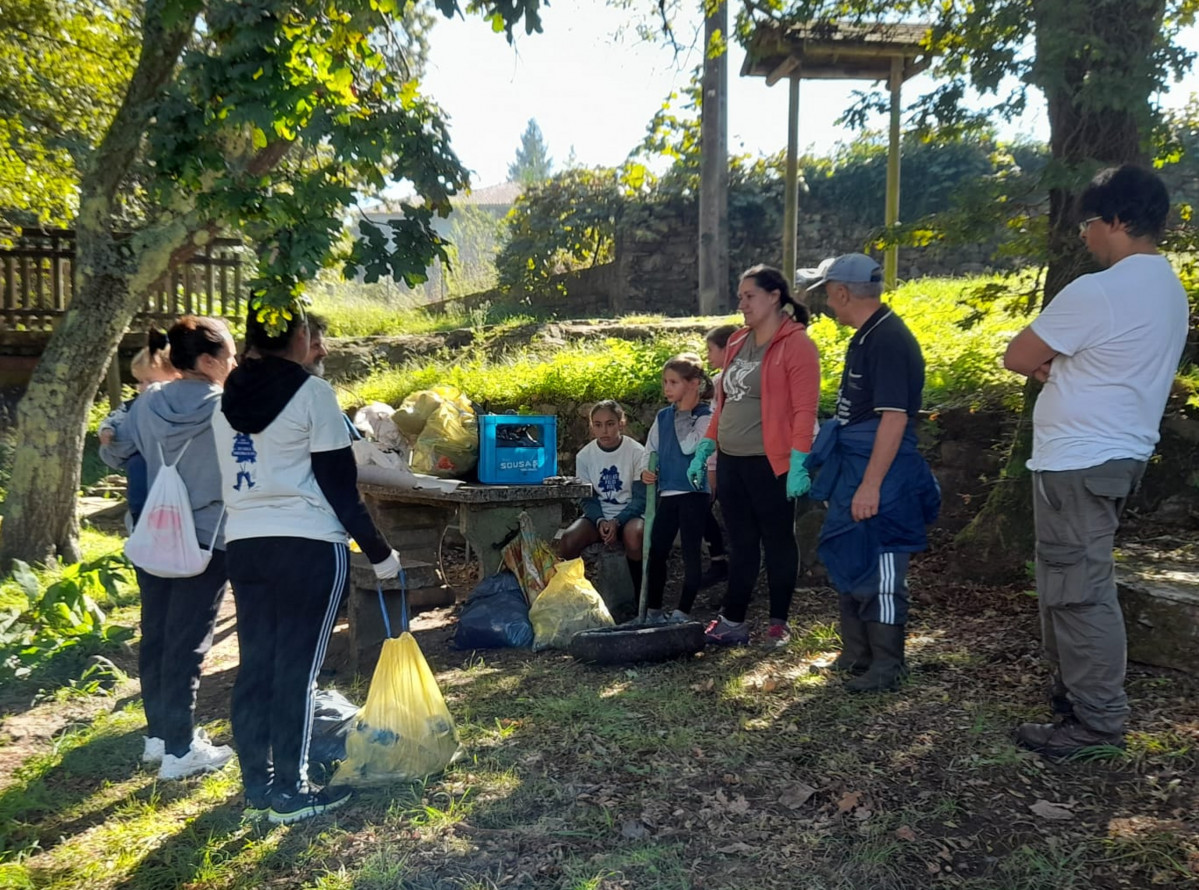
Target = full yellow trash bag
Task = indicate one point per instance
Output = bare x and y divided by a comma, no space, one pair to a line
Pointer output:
404,732
442,428
568,604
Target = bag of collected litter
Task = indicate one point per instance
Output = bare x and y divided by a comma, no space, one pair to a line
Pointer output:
494,615
568,605
529,558
404,732
443,429
332,717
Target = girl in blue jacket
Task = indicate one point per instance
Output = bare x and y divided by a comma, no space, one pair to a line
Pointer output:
681,509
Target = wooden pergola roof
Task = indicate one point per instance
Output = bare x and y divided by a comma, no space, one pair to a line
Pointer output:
835,50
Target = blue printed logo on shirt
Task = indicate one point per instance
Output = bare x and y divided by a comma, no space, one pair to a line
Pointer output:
246,457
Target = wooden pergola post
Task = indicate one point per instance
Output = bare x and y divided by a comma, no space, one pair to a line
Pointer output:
891,257
791,185
891,52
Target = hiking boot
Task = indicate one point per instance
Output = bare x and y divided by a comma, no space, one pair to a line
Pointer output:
677,617
777,635
887,667
725,633
855,655
289,808
716,573
1064,739
153,751
202,757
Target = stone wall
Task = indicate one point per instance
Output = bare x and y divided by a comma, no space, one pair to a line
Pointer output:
656,265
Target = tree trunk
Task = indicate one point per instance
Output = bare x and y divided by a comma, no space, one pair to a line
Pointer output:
40,521
1094,64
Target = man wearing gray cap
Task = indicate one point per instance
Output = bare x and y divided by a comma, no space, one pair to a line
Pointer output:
880,491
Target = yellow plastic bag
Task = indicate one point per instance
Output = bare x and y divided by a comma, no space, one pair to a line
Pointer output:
529,558
443,429
404,732
568,604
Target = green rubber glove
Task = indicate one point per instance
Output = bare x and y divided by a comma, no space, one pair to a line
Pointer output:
697,473
798,480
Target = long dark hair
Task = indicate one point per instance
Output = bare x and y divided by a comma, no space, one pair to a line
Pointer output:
769,278
193,336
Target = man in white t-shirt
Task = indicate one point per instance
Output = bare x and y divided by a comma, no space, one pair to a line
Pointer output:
1106,348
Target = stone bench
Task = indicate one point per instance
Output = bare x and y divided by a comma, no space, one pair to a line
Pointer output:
426,590
1160,600
608,571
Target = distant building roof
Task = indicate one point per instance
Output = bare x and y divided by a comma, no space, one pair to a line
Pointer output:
502,195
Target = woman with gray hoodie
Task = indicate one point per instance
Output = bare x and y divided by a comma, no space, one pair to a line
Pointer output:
178,614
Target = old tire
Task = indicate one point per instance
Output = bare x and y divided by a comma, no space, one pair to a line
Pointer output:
624,644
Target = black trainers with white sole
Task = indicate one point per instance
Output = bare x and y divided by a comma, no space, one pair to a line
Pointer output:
288,808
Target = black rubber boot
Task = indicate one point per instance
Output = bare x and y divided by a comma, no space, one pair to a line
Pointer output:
887,668
855,654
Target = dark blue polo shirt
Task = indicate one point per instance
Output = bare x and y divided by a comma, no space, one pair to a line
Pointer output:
884,370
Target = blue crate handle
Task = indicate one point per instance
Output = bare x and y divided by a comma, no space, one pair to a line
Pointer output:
403,604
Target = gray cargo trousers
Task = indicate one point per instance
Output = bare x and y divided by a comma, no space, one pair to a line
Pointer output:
1082,628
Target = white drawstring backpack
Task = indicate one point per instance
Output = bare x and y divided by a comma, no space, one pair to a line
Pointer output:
164,541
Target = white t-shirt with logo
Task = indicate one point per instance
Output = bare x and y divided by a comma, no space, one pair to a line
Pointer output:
611,473
1119,334
266,477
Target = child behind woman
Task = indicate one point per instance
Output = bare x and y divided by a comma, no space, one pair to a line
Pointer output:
151,364
716,340
610,462
677,430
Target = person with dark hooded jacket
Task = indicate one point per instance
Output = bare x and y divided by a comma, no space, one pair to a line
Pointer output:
290,484
172,422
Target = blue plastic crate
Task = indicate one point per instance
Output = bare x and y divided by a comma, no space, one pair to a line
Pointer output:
516,449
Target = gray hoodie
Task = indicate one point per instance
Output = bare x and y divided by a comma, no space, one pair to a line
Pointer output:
170,415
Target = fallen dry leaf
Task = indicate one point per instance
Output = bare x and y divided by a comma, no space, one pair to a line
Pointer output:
905,833
796,796
633,829
770,684
848,801
1047,810
740,805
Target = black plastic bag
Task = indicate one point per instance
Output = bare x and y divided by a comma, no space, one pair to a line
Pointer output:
495,615
332,718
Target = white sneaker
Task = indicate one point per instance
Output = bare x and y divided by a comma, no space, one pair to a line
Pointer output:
154,751
201,757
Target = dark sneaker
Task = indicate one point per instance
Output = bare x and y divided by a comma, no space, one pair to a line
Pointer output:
1064,739
677,617
289,808
717,573
258,804
777,636
725,633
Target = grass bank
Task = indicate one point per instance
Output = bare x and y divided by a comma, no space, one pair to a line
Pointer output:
962,348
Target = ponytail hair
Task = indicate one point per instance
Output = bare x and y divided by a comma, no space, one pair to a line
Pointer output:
155,356
769,278
193,336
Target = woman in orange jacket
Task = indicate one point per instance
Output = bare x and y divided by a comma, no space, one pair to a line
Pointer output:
762,425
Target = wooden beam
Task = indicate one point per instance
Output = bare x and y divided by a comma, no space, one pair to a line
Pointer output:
891,258
781,70
791,185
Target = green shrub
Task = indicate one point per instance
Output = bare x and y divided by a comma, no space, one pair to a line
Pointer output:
962,349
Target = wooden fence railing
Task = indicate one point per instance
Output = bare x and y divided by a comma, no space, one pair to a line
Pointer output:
36,284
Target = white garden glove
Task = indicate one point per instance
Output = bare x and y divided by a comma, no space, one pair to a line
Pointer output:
388,568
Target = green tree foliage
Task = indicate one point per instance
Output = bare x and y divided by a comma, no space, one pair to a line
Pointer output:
63,68
566,223
533,163
261,117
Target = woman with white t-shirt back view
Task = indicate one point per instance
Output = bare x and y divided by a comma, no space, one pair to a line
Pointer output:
611,462
290,486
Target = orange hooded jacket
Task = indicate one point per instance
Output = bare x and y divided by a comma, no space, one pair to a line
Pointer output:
790,392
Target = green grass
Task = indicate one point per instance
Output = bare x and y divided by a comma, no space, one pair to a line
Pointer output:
962,359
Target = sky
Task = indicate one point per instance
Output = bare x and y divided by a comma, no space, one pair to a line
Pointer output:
595,92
